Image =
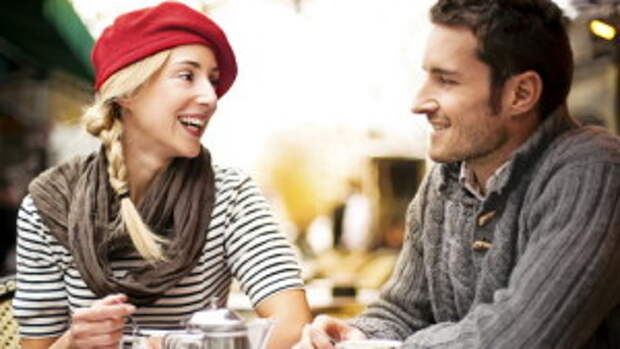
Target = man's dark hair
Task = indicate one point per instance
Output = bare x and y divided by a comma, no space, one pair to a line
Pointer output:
515,36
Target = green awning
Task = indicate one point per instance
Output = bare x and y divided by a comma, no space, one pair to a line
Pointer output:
46,34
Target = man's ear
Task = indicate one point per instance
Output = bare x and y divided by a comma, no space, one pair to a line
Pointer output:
522,92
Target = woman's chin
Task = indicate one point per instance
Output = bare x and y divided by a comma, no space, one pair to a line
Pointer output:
190,152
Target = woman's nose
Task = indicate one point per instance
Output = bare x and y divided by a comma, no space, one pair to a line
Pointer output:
206,93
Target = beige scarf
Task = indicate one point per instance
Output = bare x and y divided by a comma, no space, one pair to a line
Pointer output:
78,205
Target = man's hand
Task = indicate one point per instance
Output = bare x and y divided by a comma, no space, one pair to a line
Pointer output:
101,325
325,331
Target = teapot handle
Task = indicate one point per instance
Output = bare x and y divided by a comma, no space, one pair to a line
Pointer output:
182,341
213,303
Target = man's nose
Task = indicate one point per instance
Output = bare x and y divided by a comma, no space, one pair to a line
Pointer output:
424,101
424,105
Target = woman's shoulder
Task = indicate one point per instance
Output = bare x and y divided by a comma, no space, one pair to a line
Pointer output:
75,160
64,170
228,176
28,208
31,226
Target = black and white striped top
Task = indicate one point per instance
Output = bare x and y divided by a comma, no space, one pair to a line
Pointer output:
243,242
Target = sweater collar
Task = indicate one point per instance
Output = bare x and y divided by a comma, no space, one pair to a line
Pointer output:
522,159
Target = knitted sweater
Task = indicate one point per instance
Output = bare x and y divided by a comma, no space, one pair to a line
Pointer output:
536,264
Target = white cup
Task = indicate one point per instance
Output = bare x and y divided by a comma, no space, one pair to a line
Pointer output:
134,343
369,344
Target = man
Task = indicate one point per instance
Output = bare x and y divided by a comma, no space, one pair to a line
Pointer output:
512,238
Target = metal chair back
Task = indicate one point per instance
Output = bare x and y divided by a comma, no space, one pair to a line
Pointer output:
9,337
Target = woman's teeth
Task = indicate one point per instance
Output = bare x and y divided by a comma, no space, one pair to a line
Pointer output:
189,121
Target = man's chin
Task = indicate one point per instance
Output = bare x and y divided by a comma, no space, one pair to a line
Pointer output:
437,156
444,158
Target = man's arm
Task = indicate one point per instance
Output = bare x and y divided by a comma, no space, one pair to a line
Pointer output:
566,282
394,315
404,306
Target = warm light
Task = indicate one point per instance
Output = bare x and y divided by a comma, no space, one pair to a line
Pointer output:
602,29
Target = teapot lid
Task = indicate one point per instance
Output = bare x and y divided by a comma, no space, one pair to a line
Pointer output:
216,319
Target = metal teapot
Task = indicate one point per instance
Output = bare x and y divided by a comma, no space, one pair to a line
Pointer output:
220,328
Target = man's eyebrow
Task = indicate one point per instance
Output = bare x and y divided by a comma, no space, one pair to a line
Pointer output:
442,71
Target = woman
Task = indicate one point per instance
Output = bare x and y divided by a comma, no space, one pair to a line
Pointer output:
147,227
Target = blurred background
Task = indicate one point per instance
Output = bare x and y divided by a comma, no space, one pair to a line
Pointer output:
319,116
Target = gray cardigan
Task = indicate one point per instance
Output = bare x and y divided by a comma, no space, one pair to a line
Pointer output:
534,265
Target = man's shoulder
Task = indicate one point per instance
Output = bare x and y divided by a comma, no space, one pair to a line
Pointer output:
585,145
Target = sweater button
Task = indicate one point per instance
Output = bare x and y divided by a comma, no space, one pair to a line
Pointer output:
485,218
481,245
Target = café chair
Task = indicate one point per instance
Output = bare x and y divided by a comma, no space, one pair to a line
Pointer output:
9,338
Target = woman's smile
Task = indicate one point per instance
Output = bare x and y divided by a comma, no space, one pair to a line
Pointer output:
194,124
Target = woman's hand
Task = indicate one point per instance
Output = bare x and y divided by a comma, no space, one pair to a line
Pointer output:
155,342
101,325
290,311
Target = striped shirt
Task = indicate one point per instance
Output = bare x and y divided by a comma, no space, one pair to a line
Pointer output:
243,241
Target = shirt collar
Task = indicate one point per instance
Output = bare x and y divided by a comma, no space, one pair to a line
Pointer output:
523,158
470,182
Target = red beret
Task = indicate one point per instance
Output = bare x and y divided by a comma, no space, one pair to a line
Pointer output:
141,33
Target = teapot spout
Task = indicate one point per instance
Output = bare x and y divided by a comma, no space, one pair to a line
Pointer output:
259,331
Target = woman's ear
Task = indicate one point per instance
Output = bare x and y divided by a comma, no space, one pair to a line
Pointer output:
124,101
522,92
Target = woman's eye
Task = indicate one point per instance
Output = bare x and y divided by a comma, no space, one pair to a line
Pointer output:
188,76
214,81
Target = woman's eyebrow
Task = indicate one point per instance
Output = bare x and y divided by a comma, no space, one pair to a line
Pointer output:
188,62
195,64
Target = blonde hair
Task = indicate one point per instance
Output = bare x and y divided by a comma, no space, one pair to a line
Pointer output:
103,120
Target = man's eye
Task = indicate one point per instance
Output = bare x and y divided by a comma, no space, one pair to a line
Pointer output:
444,81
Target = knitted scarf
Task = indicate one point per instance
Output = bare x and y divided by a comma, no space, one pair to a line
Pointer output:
78,205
